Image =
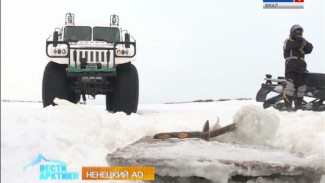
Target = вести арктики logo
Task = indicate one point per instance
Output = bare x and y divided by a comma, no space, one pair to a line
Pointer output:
52,169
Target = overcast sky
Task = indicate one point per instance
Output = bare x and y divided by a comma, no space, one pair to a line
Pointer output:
186,49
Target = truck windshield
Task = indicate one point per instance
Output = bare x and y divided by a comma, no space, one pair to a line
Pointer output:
77,33
108,34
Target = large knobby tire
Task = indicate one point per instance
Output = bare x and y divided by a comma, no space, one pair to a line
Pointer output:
56,85
109,104
126,90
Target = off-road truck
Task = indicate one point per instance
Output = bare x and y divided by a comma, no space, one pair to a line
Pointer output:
91,60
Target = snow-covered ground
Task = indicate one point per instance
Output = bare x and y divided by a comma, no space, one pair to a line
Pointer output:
82,135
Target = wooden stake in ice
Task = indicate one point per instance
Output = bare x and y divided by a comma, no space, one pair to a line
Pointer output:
205,135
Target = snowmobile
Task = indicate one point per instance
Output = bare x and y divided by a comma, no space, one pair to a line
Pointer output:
315,89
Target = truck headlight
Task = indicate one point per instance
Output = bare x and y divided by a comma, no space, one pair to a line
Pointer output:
60,50
121,52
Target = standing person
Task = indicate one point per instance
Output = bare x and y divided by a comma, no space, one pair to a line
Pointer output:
295,48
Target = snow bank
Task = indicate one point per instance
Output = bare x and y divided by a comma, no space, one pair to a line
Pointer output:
254,125
82,135
301,133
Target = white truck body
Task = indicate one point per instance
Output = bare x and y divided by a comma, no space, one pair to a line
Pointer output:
92,55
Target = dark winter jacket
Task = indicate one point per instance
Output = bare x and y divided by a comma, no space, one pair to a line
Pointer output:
294,54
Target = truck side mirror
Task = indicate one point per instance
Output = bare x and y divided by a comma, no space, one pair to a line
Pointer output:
127,40
55,38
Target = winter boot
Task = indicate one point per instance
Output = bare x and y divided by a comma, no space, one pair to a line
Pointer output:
298,103
287,103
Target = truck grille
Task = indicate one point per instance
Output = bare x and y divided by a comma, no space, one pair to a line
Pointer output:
90,56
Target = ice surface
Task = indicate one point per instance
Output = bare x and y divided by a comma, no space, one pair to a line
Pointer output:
212,160
82,135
